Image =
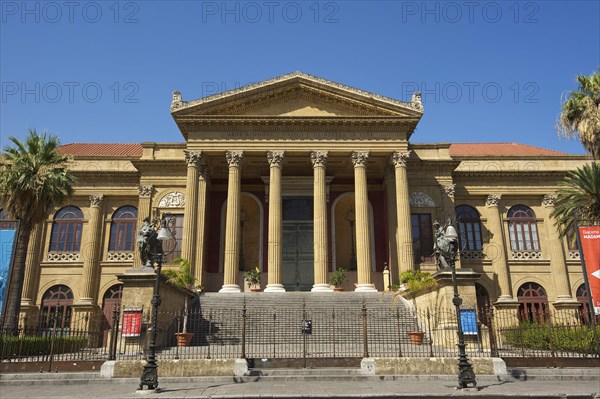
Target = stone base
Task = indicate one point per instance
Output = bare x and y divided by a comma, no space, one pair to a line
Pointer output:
321,288
275,288
177,368
365,288
230,288
430,366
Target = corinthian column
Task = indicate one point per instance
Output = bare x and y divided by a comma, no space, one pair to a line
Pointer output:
406,258
144,202
91,262
198,270
275,159
497,250
363,233
392,224
32,267
319,162
558,265
188,243
232,222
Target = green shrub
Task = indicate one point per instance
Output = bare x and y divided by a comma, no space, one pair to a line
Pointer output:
40,346
549,337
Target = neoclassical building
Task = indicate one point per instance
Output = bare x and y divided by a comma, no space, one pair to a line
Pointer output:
299,176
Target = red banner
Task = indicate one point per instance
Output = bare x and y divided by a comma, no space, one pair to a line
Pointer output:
132,323
590,245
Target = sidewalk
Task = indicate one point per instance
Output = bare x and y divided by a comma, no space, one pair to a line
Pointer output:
401,387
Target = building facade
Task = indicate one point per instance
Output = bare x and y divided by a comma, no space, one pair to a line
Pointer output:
300,176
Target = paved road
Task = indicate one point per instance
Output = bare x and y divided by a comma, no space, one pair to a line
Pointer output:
126,388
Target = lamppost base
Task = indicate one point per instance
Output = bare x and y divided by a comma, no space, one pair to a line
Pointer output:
149,377
466,375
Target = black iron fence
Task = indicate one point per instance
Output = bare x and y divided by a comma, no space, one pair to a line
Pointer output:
246,332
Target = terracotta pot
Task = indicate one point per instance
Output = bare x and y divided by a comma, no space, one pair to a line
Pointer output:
416,337
184,339
254,289
338,289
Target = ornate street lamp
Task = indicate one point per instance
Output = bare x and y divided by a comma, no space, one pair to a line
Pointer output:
447,247
150,238
351,218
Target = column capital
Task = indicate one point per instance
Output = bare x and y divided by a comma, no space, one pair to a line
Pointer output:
549,200
449,189
145,191
360,158
234,158
493,200
319,158
96,200
399,158
275,158
193,158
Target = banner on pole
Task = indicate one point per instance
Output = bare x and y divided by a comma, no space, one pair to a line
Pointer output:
8,241
590,246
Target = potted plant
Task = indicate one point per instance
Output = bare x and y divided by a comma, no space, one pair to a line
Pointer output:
183,278
337,279
252,277
416,280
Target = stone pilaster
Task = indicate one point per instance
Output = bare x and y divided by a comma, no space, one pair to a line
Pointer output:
198,270
275,159
232,222
363,233
406,258
319,162
91,261
392,224
558,264
144,206
496,249
188,243
31,280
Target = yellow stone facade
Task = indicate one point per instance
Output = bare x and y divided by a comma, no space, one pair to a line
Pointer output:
299,176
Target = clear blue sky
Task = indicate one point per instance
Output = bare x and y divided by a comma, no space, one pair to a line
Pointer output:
103,71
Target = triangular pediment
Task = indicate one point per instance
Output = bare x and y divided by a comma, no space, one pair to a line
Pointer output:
295,95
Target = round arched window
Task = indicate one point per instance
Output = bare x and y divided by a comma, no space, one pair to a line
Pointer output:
522,228
56,307
66,230
533,302
122,229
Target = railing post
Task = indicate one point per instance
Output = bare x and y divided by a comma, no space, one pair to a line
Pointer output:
492,333
365,339
244,332
399,332
208,337
112,347
429,332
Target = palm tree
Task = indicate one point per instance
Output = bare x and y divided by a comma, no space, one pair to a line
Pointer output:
581,114
579,196
33,180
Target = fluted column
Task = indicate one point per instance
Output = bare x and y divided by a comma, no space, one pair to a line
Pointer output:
32,267
406,258
497,249
319,162
275,159
91,262
232,222
198,268
392,224
558,264
144,203
188,243
363,233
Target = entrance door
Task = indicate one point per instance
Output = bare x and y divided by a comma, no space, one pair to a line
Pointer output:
298,273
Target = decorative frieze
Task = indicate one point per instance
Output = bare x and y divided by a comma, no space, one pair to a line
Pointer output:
493,200
275,158
193,158
63,257
360,158
234,158
449,189
472,254
120,256
146,191
421,200
549,200
399,158
526,255
175,199
96,200
319,158
574,255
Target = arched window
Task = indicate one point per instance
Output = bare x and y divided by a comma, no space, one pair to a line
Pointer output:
582,298
533,303
56,308
422,235
483,303
522,228
66,230
469,225
122,229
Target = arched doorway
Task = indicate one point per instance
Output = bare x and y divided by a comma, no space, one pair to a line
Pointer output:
483,303
110,302
56,308
533,303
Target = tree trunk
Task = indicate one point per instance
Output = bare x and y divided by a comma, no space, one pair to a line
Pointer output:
13,303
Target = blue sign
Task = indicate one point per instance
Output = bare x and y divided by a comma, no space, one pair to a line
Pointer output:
468,321
8,234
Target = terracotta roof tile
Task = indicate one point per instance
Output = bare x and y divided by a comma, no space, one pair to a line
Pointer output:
102,149
500,149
